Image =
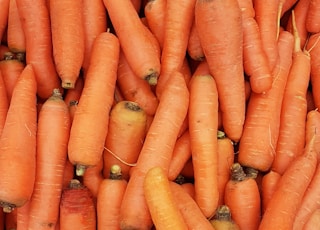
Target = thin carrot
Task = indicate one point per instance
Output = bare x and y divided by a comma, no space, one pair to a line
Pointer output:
4,17
126,133
23,216
86,141
178,20
280,213
94,22
144,56
52,141
160,200
4,103
203,127
223,219
110,194
194,48
18,144
223,52
156,151
75,93
67,29
189,209
313,17
268,186
35,21
77,210
263,114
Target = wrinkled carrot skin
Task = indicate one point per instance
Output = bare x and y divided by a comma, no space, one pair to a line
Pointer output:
18,141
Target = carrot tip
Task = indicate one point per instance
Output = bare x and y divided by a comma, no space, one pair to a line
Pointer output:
80,170
152,78
67,85
7,207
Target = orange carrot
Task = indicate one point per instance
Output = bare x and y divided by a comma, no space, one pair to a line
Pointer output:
75,93
109,199
263,114
203,127
35,21
223,52
313,123
4,103
18,144
313,17
126,133
189,209
310,101
269,184
4,17
3,50
77,210
52,141
67,30
243,198
68,173
313,222
280,213
223,219
178,20
23,216
194,48
144,56
160,200
94,23
10,220
156,151
134,88
86,141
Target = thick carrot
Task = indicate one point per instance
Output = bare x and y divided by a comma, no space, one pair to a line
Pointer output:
203,127
261,128
313,17
52,141
4,17
178,20
67,29
223,219
243,198
110,194
18,144
268,186
134,88
159,197
144,56
280,213
156,151
189,209
223,52
4,103
86,141
126,133
77,210
94,23
35,21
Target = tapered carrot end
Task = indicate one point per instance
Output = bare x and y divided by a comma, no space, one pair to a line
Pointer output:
67,85
80,170
152,78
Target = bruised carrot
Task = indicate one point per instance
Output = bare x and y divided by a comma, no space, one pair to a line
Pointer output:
223,219
144,56
77,210
160,200
18,144
223,52
86,142
156,151
52,141
109,199
67,39
126,133
35,20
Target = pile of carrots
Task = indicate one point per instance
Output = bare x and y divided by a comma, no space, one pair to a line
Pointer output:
155,114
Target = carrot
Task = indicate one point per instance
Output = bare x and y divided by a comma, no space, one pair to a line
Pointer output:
160,200
4,17
203,141
35,21
18,144
15,35
156,151
10,220
287,5
94,23
255,60
181,154
194,48
263,114
312,19
280,213
86,141
126,133
77,209
134,88
53,135
223,219
109,199
4,103
67,28
68,173
313,123
223,52
313,222
23,216
11,69
243,198
137,5
3,50
310,101
189,209
144,56
269,185
225,161
75,93
178,20
155,12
